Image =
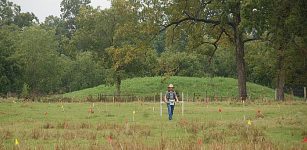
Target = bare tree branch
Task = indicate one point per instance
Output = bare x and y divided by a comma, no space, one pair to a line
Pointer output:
215,44
229,36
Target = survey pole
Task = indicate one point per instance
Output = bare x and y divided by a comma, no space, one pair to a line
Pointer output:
161,101
305,94
182,104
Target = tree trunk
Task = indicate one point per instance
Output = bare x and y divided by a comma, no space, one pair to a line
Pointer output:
281,75
239,43
118,81
241,72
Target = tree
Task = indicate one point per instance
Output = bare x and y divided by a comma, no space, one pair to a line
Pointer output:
36,52
25,19
261,62
84,72
8,11
131,52
10,14
10,70
70,9
287,22
58,25
240,21
180,64
96,31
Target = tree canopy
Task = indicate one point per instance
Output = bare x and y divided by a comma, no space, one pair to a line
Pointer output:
251,40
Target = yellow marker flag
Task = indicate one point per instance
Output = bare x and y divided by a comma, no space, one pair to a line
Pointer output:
249,122
62,106
16,142
133,112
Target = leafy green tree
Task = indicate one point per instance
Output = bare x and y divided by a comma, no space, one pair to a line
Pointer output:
129,61
10,14
131,52
239,21
8,11
58,25
70,9
286,23
221,64
25,19
96,31
25,92
261,62
180,64
36,52
10,70
84,72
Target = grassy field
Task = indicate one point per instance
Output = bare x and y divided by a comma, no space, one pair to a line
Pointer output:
217,86
111,126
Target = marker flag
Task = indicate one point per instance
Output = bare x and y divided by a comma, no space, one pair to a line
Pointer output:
133,116
16,142
62,107
249,122
109,139
200,141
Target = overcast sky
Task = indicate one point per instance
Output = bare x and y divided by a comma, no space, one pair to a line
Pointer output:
44,8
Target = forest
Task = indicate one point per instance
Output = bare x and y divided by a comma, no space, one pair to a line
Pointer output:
259,41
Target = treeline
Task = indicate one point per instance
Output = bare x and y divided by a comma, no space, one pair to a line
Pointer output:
88,46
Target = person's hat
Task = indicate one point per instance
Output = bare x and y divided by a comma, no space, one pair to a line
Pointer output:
170,86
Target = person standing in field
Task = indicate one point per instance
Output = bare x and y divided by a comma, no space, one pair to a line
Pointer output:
170,98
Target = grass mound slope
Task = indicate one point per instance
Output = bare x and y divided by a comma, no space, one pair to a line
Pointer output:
146,86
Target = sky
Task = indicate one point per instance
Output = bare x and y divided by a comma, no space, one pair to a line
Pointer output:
44,8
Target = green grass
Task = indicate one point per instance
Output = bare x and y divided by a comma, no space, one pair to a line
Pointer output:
283,126
217,86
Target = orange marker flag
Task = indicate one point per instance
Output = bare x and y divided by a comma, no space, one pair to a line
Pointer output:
200,142
109,139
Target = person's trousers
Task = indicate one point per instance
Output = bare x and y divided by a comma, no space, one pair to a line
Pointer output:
170,109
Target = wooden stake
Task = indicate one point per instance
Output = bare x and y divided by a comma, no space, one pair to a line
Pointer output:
182,105
161,101
305,94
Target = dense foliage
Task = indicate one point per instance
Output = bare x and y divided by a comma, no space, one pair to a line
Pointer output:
88,46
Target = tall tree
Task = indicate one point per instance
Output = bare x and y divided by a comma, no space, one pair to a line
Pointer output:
10,70
70,9
59,26
287,22
238,20
130,52
96,31
25,19
8,11
36,52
